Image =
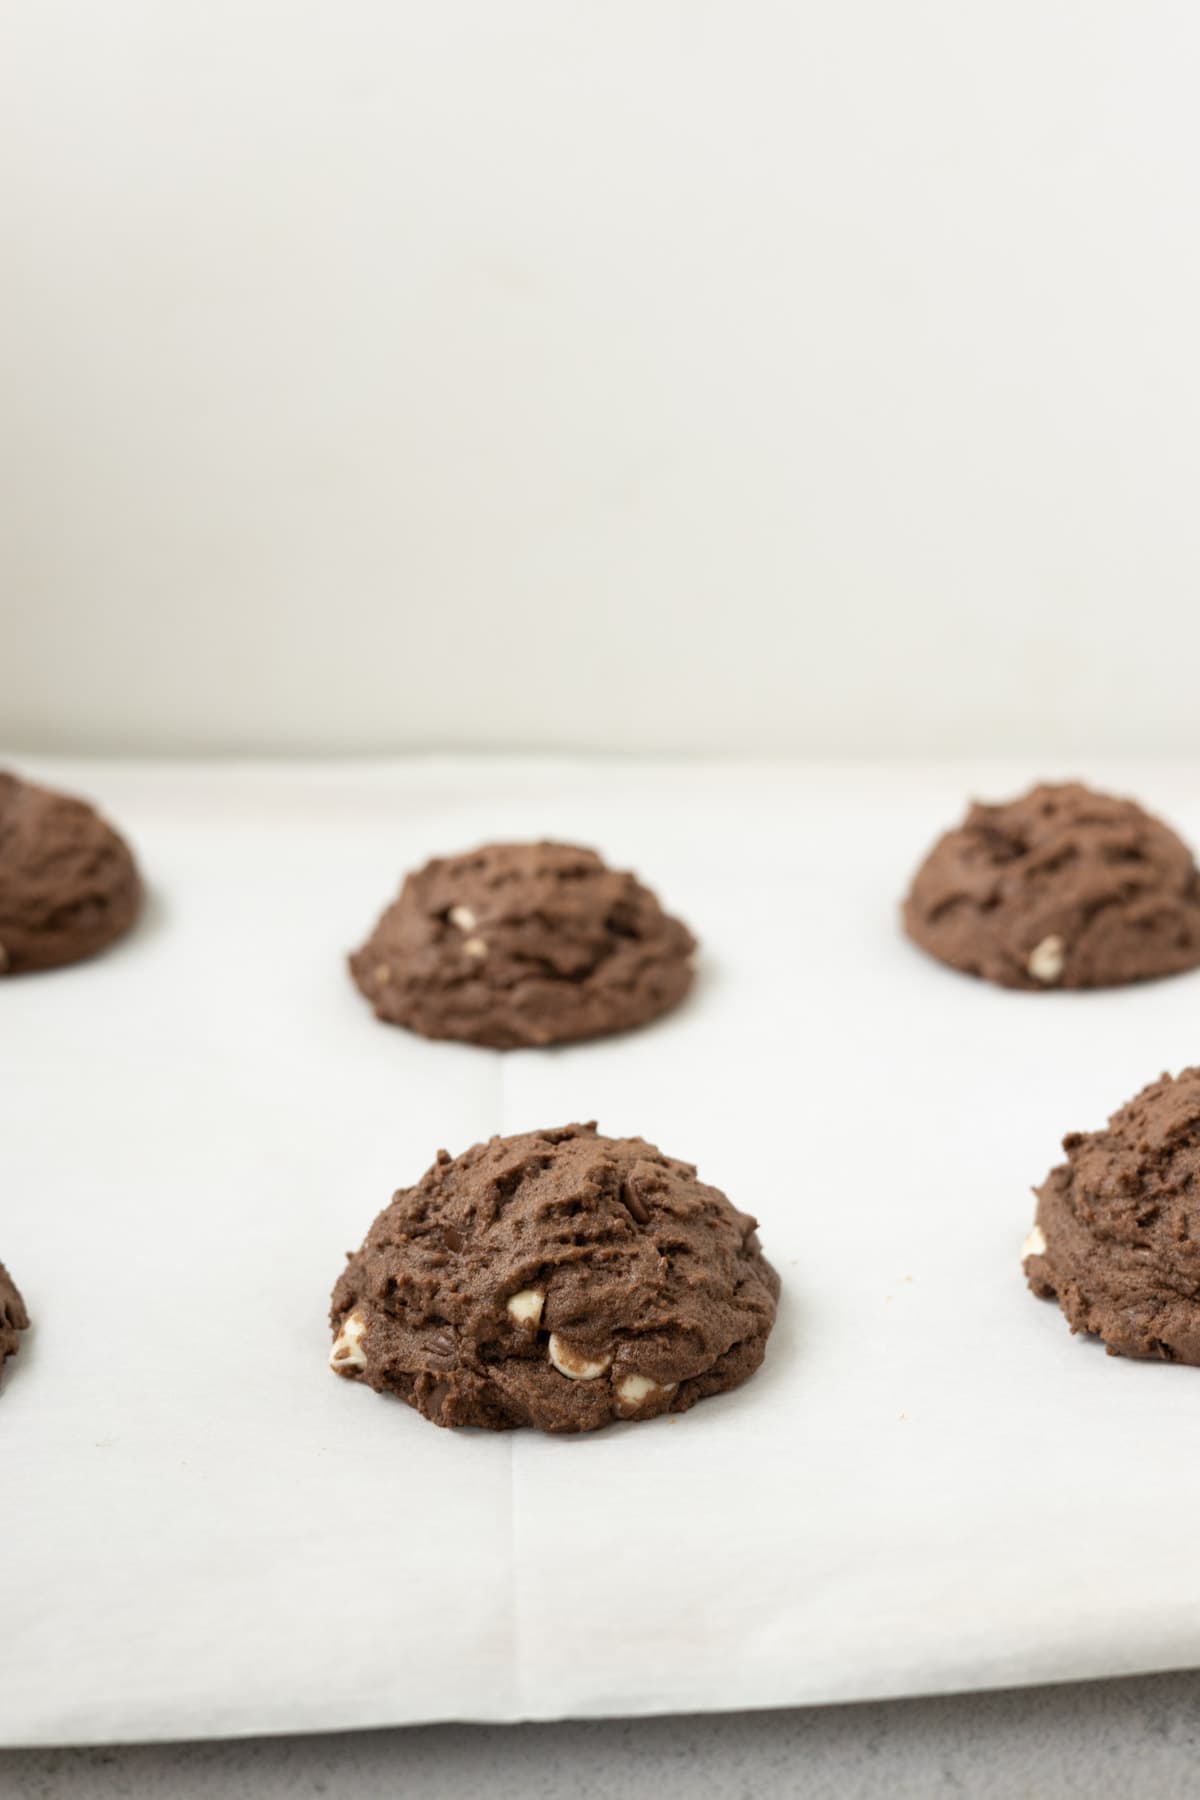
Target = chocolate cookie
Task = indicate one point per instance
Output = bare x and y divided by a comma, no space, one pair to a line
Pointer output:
1117,1238
68,883
519,944
558,1279
13,1317
1061,888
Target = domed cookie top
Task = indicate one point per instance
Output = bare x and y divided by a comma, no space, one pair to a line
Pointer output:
1061,888
68,883
519,944
558,1279
1117,1238
13,1317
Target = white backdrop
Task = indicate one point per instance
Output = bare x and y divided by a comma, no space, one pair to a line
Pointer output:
655,373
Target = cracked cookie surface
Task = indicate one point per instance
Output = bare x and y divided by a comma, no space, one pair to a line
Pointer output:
523,944
557,1279
1062,887
1117,1237
68,883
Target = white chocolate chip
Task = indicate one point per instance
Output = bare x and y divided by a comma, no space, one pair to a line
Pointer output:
570,1363
634,1390
1035,1243
463,918
475,947
1046,959
382,974
526,1306
347,1352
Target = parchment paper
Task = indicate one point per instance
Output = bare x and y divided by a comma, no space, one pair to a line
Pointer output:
930,1485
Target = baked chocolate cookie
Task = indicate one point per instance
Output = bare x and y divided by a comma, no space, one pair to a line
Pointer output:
1061,888
558,1279
13,1317
520,944
68,883
1117,1238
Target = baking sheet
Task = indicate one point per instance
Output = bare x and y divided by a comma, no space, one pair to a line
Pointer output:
930,1485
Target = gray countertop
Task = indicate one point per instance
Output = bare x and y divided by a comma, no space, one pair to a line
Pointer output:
1138,1736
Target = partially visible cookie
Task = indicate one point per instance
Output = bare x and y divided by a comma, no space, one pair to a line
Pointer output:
68,882
559,1279
1117,1237
13,1317
1062,887
522,944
